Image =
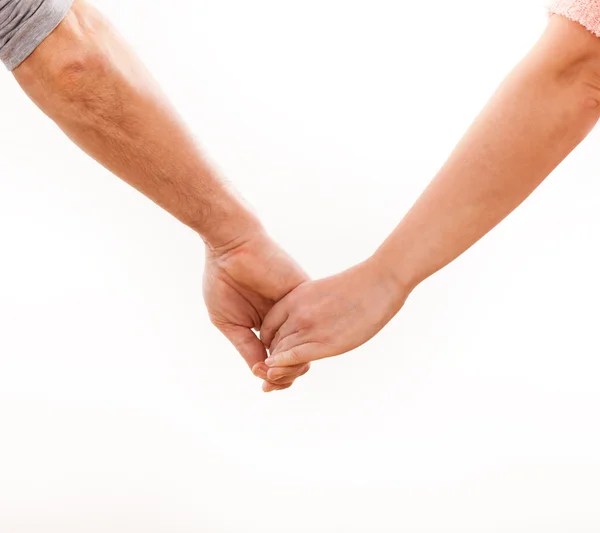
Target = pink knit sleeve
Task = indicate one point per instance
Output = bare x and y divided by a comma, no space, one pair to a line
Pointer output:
586,12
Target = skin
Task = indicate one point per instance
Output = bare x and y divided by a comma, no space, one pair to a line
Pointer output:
86,79
541,112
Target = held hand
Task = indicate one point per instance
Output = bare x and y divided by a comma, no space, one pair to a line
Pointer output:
242,282
329,317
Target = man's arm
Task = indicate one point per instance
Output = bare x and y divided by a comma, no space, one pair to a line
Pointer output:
540,113
86,79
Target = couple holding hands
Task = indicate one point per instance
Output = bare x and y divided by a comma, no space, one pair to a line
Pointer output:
74,66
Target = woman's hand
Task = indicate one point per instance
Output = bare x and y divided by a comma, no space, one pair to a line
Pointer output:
242,281
330,317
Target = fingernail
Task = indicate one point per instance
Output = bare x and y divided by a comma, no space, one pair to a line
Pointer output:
270,361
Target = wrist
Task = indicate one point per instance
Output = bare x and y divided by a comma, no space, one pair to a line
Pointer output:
229,224
397,282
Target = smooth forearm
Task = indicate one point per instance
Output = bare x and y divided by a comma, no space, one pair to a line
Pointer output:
540,113
88,81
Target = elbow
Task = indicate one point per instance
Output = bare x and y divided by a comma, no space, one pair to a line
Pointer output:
587,86
59,73
580,78
80,80
79,57
572,55
577,94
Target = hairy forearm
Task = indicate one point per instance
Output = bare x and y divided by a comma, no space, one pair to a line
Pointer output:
88,81
542,111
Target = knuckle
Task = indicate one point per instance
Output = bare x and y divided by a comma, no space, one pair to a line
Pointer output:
216,322
304,317
327,337
275,374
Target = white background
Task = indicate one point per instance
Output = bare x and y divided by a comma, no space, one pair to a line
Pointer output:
123,410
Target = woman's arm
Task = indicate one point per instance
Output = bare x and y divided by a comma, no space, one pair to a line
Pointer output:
543,110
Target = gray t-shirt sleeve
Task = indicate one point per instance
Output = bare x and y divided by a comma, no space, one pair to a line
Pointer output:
24,24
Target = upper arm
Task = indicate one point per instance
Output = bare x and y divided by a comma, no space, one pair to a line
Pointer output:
24,24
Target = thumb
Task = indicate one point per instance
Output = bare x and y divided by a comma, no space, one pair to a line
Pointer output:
246,343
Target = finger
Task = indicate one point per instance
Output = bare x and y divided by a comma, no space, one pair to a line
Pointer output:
270,387
285,375
289,374
276,339
297,355
272,322
260,371
286,330
246,343
288,342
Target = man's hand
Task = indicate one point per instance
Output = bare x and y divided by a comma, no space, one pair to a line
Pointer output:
87,79
242,281
330,317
